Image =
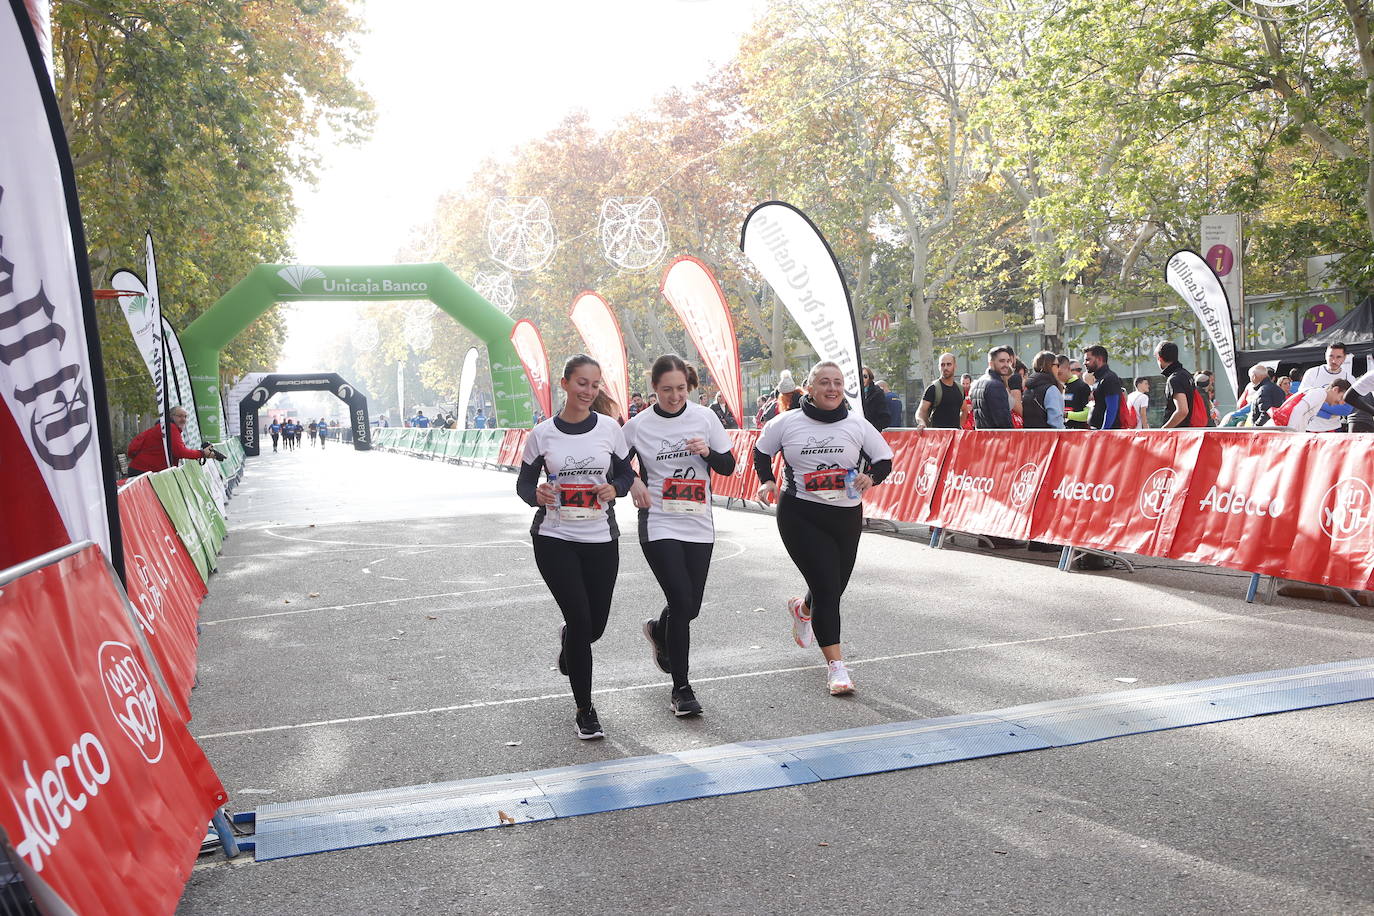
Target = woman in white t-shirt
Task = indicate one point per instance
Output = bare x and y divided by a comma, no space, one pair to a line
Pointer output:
574,531
825,447
678,444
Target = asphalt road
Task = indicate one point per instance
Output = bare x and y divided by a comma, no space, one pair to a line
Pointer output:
377,622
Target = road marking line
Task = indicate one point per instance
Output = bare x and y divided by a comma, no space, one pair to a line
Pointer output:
514,701
344,607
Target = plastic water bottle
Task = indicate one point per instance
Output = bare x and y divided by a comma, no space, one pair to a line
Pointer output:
551,512
849,489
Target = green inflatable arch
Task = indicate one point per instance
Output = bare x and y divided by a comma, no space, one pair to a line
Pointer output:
268,284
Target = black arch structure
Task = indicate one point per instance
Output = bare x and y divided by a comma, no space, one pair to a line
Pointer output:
310,381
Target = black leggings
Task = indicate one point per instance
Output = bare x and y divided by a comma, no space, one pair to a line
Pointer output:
581,578
823,542
681,568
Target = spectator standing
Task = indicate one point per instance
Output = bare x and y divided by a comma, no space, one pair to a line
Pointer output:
1042,402
636,405
480,420
1178,389
896,410
990,395
1077,394
146,453
789,392
1285,385
942,405
723,411
420,421
874,402
1107,390
1203,382
1139,401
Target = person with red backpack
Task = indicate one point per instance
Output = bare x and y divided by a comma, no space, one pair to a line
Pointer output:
146,453
1181,399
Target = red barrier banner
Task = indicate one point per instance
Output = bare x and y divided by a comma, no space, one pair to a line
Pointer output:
743,483
508,456
108,794
990,481
1115,490
163,585
917,458
1297,506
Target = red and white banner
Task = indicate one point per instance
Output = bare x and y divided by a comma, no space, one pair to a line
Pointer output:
163,586
910,489
529,346
1296,506
106,794
25,496
594,320
798,263
743,483
51,379
1115,491
692,290
990,481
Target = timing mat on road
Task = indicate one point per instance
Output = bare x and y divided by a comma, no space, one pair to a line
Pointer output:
364,819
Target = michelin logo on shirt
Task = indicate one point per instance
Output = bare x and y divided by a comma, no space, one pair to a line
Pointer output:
816,446
581,467
667,450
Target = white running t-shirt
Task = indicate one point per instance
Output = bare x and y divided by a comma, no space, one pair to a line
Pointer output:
679,482
817,455
1320,377
1139,401
582,462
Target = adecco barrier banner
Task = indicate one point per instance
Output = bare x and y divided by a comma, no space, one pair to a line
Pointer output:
743,483
1115,490
990,481
107,795
164,586
174,503
1296,506
909,490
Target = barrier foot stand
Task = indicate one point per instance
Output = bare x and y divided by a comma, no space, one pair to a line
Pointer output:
1252,588
935,536
1065,558
1076,552
227,840
882,523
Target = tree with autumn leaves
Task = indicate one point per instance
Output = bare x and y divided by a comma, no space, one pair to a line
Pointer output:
190,120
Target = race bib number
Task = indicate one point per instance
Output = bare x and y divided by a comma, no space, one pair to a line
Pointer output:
827,483
684,495
578,501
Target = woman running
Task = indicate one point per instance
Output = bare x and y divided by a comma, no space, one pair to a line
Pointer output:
825,448
275,430
678,443
574,531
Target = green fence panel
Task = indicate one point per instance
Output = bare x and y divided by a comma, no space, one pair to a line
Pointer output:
195,507
168,489
491,445
196,474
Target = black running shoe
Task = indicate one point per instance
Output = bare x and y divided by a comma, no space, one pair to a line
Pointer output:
588,725
660,654
685,703
563,650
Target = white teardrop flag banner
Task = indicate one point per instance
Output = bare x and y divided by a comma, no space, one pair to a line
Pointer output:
1194,280
465,383
797,262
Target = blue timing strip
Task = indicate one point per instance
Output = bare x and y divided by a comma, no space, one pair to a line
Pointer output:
345,821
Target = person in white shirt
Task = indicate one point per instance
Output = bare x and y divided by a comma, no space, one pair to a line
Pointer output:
1304,415
825,447
678,445
1139,401
1321,376
574,531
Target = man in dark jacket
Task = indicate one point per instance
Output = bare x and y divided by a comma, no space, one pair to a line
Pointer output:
991,399
875,402
1107,392
1262,396
1179,412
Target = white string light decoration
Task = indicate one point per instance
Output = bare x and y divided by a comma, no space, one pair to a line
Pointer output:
497,288
365,335
418,329
633,235
520,232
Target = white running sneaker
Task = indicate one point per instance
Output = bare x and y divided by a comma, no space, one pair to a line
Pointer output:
801,621
839,679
